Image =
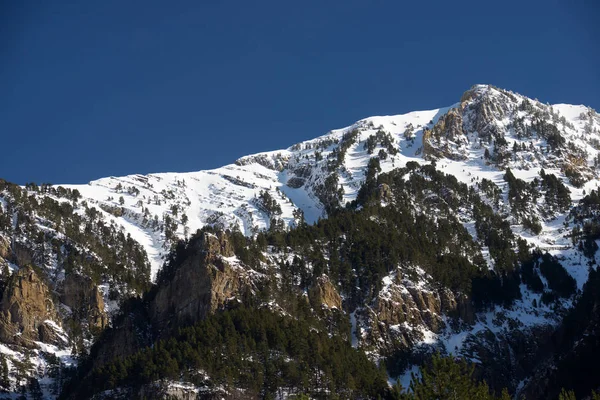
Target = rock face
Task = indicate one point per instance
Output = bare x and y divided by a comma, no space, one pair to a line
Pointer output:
202,284
507,357
457,305
449,129
401,307
21,254
24,308
83,297
384,193
323,293
4,248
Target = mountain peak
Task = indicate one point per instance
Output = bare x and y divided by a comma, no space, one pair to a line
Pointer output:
311,177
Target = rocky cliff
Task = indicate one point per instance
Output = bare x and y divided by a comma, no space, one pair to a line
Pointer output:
324,293
405,312
82,296
25,309
204,277
209,277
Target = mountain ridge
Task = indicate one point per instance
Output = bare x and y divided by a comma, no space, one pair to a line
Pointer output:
498,192
272,169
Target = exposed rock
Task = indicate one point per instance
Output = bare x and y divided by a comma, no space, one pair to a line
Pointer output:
83,297
402,306
324,293
506,358
113,210
176,391
24,307
204,283
457,305
487,110
188,392
448,129
21,254
47,334
384,193
4,248
473,93
274,161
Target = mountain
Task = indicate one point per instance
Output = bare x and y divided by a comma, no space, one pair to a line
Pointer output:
468,230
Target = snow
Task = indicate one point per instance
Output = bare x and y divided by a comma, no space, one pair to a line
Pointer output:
406,377
226,197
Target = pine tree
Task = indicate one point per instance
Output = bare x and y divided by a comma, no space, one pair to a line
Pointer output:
4,380
448,379
35,389
566,395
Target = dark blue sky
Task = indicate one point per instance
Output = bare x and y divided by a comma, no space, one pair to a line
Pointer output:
91,89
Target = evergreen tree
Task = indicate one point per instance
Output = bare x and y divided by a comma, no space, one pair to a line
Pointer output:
4,380
447,379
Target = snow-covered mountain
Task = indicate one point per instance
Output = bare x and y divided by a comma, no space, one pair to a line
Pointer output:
513,165
489,130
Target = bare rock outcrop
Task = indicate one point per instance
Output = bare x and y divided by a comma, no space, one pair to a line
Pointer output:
403,312
385,193
324,293
4,248
447,134
25,306
203,283
85,300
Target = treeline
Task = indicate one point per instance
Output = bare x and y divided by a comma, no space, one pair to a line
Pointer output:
255,349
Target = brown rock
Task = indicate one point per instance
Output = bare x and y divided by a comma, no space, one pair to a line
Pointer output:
457,305
4,248
449,128
204,283
384,193
400,308
83,297
24,307
325,293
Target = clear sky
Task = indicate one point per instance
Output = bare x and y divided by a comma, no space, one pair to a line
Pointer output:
99,88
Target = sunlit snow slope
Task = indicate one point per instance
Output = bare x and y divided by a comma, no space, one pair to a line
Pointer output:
328,171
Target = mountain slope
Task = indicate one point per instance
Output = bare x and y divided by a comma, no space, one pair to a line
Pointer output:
318,174
456,229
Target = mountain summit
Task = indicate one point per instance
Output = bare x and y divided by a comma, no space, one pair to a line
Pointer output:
489,130
331,266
